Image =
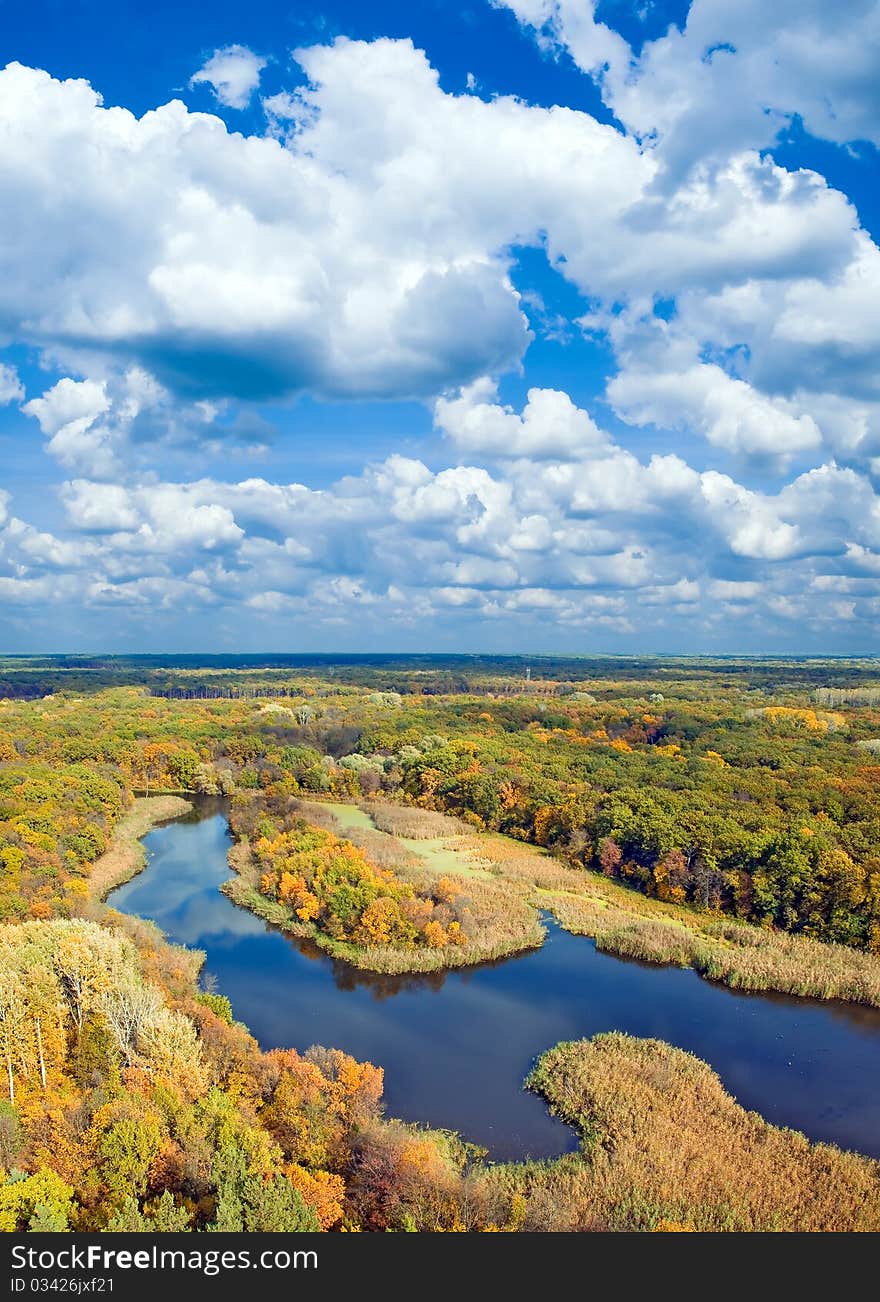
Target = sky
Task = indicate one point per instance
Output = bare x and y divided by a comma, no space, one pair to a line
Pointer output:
505,325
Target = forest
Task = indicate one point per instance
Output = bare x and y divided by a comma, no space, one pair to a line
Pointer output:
718,814
751,798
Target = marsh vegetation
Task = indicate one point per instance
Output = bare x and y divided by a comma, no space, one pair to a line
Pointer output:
665,1148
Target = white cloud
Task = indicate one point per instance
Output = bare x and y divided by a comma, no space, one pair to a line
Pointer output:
595,537
94,427
749,522
839,503
103,508
345,258
730,413
69,404
233,74
734,589
153,518
238,266
550,424
759,261
737,72
45,590
11,387
69,414
347,261
845,312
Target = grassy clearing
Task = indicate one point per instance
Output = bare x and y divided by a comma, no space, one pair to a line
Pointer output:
126,856
666,1148
346,818
451,853
415,824
448,857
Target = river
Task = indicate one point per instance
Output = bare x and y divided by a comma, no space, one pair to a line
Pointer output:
456,1046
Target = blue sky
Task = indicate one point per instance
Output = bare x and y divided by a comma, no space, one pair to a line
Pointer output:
535,325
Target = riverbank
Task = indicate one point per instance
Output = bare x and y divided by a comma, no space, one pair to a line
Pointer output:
509,884
126,855
720,949
666,1148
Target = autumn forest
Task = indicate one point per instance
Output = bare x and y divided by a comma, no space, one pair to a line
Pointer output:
416,815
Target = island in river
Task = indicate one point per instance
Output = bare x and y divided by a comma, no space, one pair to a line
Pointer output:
494,890
457,1044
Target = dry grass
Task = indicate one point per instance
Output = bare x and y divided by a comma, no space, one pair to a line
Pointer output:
125,857
665,1147
415,824
318,814
740,956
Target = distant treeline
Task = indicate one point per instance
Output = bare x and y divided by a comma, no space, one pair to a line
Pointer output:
25,691
233,691
225,677
226,691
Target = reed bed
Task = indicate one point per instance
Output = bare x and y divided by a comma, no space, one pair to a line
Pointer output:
665,1148
384,851
414,823
316,813
125,856
739,956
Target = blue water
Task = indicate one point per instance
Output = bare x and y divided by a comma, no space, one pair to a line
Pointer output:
456,1046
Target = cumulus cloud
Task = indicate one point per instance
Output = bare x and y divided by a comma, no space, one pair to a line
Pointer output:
591,538
239,266
345,258
733,76
68,415
93,427
722,230
550,424
155,518
100,507
729,412
233,74
846,313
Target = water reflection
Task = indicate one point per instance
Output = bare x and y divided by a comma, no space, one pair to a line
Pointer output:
384,985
